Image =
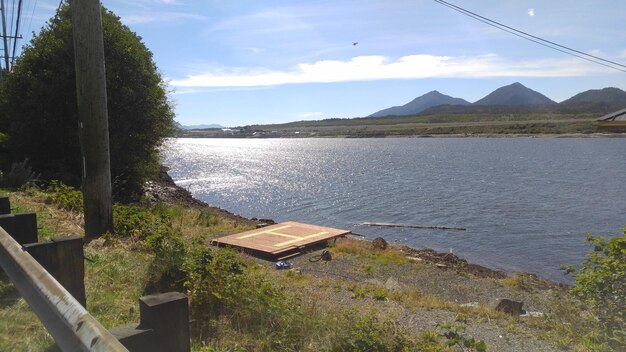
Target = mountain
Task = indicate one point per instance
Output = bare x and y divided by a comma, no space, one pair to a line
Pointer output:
614,98
515,94
200,127
420,104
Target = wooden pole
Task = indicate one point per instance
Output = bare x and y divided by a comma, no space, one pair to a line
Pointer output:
92,109
384,224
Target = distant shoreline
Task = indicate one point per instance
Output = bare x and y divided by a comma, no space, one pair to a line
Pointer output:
451,135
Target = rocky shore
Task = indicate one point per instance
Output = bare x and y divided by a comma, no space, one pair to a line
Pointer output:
420,288
165,189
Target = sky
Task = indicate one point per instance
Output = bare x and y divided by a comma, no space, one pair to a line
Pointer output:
244,62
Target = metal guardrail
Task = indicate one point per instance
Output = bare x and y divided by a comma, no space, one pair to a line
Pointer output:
71,326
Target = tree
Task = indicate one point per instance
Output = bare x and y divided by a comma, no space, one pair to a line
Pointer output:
39,111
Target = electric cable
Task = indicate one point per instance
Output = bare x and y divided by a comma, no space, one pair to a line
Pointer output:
535,39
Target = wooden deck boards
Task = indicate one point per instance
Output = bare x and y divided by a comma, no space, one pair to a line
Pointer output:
280,240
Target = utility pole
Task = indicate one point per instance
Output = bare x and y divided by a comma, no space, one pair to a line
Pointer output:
17,30
92,110
4,37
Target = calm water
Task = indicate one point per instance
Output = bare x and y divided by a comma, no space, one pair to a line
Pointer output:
526,203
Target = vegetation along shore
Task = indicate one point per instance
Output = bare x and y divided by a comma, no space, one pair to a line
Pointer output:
357,296
369,296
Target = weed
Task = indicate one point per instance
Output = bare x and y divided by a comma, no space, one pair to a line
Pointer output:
371,334
519,281
380,294
455,336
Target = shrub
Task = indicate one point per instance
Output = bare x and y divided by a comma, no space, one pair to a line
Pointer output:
370,334
139,223
455,336
601,283
64,196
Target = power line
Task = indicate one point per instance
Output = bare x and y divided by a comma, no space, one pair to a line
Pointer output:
4,37
535,39
32,14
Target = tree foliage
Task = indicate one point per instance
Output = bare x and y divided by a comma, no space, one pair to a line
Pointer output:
39,111
601,283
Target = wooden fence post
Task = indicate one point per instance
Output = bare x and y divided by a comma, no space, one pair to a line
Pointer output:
63,259
163,327
168,315
5,205
22,227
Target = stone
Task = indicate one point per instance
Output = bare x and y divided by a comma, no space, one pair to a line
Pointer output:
510,306
379,243
392,284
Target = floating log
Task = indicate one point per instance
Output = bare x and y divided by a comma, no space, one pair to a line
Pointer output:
384,224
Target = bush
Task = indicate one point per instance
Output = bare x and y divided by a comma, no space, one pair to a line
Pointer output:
140,223
370,334
38,107
221,286
64,196
601,283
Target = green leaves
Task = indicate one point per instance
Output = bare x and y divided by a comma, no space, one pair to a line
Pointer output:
38,106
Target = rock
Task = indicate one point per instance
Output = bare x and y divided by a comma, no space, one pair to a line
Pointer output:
510,306
98,243
379,243
469,305
415,259
392,284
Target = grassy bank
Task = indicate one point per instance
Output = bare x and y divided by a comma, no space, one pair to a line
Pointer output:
364,299
544,123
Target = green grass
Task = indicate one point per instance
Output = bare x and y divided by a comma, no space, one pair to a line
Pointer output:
238,304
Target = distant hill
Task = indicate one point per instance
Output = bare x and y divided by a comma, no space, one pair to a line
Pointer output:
200,127
613,98
515,94
420,104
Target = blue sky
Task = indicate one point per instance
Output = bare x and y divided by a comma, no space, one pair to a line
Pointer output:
245,62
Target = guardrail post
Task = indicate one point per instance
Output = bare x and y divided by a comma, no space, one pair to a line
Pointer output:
72,327
136,339
5,205
22,227
63,259
168,315
163,327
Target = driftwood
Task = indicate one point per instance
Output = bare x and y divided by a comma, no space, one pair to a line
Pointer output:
384,224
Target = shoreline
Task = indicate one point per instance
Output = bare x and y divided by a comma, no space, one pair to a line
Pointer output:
442,135
165,189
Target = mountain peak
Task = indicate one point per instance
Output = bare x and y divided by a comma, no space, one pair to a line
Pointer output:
515,94
614,98
419,104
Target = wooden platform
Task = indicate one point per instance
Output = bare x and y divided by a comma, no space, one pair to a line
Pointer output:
280,241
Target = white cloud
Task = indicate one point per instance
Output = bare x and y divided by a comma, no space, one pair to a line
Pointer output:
531,12
369,68
622,55
161,17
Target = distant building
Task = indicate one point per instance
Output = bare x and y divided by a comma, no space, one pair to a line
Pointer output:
613,121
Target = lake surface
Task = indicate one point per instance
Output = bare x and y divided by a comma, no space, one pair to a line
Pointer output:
526,202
